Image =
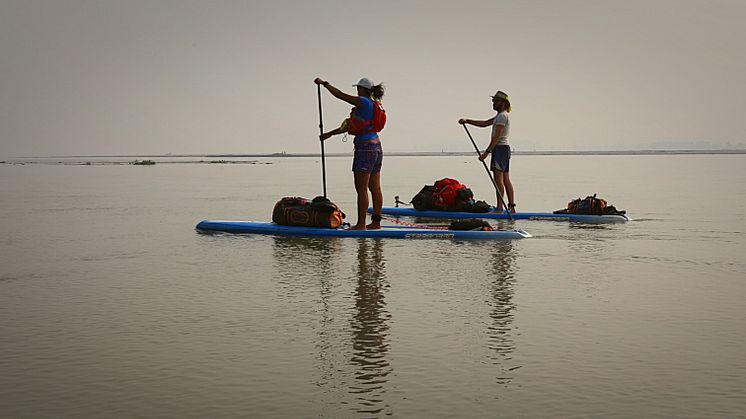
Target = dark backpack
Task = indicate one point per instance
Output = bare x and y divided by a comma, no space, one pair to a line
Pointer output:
465,202
424,198
590,205
470,224
296,211
464,195
480,206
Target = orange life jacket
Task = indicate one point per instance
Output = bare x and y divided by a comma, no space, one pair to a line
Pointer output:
360,126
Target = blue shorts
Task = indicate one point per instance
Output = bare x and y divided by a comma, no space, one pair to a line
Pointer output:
501,158
368,157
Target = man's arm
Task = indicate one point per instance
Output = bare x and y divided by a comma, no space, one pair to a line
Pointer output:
493,141
477,122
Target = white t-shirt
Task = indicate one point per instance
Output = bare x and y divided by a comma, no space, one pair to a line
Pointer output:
502,119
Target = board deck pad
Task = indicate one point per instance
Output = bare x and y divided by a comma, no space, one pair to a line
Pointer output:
581,218
394,232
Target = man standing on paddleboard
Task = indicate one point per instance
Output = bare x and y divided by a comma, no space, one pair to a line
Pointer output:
366,120
499,147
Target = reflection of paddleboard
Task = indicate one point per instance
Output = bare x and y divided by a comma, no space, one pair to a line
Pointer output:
580,218
394,232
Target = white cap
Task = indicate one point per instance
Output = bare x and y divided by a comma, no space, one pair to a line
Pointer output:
364,82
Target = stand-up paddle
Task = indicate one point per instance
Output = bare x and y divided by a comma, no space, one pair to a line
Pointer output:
321,132
499,196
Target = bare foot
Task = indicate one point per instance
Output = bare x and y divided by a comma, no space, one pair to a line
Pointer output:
373,226
357,227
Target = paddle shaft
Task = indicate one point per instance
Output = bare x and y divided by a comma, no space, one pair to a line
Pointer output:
499,196
321,132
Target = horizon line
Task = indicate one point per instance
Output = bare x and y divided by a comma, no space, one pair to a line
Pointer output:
407,153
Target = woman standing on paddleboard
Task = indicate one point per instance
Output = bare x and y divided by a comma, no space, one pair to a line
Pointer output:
366,120
499,147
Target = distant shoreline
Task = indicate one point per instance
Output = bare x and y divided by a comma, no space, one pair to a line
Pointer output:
400,153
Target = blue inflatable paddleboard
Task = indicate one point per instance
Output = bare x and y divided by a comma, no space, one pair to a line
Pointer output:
392,232
580,218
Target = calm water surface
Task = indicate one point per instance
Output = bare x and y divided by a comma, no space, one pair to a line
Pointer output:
112,305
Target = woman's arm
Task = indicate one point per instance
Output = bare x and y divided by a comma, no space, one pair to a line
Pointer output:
335,131
477,122
352,100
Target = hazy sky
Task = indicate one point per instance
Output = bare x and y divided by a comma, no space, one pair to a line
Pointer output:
135,77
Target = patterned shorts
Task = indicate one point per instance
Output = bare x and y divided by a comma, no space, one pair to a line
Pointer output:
368,158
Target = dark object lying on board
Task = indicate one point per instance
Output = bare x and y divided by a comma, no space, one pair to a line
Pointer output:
448,195
297,211
590,205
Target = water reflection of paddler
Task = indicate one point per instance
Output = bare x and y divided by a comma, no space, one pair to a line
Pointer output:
503,308
370,327
307,273
314,257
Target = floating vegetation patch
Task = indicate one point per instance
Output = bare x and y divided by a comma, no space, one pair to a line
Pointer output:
227,162
143,162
